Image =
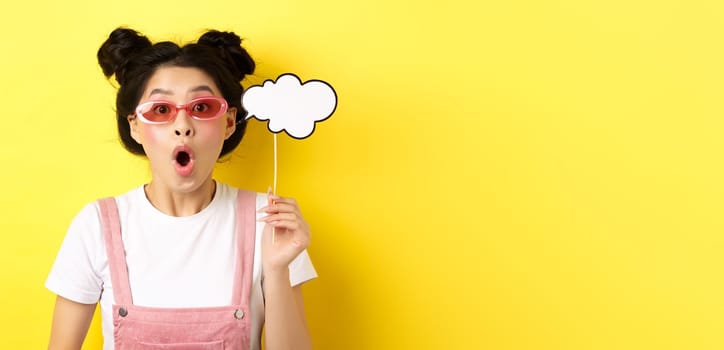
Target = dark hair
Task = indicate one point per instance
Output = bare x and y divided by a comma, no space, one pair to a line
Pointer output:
133,59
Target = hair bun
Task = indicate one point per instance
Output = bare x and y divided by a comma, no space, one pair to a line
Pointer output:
121,44
230,49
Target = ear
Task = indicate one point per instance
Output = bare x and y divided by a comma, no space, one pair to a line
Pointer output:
133,123
230,116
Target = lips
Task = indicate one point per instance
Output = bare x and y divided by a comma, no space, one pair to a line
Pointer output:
183,160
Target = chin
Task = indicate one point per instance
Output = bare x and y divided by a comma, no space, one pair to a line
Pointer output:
191,183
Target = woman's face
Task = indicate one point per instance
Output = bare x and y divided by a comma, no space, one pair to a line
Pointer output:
182,152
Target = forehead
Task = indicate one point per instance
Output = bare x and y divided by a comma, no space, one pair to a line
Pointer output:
179,81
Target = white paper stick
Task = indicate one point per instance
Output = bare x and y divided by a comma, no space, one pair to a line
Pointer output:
274,188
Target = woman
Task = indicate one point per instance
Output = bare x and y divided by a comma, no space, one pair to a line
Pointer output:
182,262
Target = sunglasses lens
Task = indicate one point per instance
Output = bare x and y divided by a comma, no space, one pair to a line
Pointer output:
157,112
207,108
161,112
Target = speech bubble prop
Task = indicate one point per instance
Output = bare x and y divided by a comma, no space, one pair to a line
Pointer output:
290,105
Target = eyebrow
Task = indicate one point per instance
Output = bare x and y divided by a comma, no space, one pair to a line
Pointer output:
169,92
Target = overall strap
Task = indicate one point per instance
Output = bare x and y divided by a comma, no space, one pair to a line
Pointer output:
114,250
245,243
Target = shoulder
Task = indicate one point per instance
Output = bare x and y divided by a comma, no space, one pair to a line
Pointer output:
228,192
131,197
86,220
86,225
85,229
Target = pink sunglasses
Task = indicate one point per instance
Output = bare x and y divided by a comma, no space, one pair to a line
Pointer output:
162,112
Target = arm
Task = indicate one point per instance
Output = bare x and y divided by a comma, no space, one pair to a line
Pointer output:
285,324
70,324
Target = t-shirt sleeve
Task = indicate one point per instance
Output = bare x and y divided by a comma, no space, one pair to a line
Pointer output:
301,269
76,272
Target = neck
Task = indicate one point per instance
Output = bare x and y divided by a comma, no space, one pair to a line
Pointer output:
175,203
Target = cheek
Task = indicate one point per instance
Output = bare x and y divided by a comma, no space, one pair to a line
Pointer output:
149,135
212,132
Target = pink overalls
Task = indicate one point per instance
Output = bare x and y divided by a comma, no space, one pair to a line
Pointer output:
204,328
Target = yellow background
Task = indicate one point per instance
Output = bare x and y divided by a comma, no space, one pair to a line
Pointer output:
498,174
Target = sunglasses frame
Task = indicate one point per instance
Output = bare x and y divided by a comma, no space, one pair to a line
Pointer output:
176,108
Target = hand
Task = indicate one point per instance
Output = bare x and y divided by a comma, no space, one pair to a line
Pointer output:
285,235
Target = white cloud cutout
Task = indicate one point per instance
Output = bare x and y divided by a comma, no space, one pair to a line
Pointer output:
290,105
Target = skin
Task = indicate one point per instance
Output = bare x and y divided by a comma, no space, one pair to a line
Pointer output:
285,325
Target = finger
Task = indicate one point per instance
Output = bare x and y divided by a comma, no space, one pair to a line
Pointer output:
278,217
292,225
279,208
286,234
279,199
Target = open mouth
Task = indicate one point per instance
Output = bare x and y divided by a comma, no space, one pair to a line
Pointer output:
183,159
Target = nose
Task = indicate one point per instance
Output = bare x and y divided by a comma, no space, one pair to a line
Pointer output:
183,126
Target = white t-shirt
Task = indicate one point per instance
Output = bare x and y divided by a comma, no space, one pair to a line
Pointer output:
172,261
